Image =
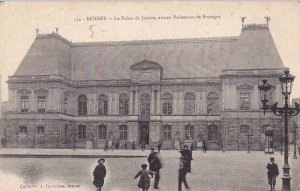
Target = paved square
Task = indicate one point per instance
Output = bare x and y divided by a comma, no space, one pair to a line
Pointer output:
213,171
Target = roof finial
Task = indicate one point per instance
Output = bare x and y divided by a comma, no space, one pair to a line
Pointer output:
56,29
268,20
243,19
37,31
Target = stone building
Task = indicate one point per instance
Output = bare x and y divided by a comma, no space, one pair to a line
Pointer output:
191,91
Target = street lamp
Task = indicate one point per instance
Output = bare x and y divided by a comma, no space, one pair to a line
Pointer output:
285,112
249,133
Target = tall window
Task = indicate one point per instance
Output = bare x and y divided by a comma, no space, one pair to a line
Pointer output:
189,132
212,133
245,101
40,129
212,103
102,104
167,104
189,104
123,132
65,105
123,104
81,132
102,132
167,132
23,129
24,103
145,104
41,103
82,105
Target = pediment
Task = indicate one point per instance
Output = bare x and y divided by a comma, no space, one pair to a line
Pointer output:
245,87
145,64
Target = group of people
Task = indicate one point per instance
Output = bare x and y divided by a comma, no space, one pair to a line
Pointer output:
184,168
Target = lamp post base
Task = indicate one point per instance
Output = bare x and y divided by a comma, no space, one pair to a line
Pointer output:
286,183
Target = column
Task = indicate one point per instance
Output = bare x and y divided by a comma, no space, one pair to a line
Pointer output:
152,104
158,104
255,98
175,102
198,101
137,103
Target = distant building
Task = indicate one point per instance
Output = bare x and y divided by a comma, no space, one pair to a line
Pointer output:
186,90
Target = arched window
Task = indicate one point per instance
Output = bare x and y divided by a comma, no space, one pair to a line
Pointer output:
102,104
82,105
212,103
167,104
123,104
189,104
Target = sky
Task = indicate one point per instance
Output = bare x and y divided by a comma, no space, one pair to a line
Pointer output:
119,21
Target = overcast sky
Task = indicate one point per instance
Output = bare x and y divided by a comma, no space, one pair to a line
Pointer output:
19,20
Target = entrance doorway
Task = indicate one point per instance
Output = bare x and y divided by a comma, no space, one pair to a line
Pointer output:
144,133
269,139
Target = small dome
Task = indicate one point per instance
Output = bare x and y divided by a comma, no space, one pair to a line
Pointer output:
145,64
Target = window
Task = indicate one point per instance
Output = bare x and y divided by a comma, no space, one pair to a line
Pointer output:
23,129
145,104
245,101
212,133
212,103
123,132
123,104
102,132
24,104
65,105
167,132
102,104
81,132
189,104
189,132
41,104
82,105
40,129
167,104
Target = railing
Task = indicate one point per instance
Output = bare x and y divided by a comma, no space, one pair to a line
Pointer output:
191,80
253,71
254,26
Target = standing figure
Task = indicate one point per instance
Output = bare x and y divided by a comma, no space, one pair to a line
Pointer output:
155,166
183,170
145,180
188,154
204,146
159,146
133,145
99,174
272,173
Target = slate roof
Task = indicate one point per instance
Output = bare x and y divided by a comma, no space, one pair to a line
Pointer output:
179,58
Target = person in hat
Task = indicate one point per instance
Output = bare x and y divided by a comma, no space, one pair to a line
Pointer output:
145,180
188,154
183,170
99,174
155,166
273,172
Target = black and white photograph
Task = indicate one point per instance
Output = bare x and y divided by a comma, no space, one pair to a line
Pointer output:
161,95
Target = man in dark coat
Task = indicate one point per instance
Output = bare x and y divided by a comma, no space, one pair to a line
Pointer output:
159,146
188,154
273,172
155,166
99,174
183,169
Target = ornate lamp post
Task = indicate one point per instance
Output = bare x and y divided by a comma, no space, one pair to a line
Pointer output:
285,112
249,134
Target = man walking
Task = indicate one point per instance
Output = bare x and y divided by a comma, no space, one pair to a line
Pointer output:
155,166
183,170
188,155
272,173
159,146
99,174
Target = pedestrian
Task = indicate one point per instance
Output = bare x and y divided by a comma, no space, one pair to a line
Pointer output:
204,146
188,154
145,180
143,146
273,172
183,170
133,145
99,174
155,166
151,156
192,148
158,146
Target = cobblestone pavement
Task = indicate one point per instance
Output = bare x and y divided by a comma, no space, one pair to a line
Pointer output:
213,171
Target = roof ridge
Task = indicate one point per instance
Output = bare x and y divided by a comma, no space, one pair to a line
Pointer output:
138,42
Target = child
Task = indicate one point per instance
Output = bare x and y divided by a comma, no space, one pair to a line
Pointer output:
145,181
99,174
272,173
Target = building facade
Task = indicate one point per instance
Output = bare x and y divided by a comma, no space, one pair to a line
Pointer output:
186,91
